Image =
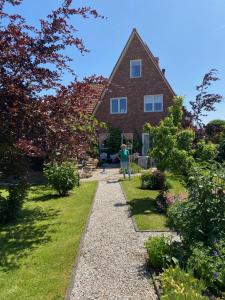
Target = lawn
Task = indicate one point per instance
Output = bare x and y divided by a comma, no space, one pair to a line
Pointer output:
143,203
37,253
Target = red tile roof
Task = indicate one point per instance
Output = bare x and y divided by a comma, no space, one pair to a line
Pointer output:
97,91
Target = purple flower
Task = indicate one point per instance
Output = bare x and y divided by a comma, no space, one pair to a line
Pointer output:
216,275
215,253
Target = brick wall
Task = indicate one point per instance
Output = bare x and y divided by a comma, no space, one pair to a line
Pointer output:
134,89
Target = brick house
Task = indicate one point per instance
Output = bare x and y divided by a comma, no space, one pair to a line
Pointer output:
137,92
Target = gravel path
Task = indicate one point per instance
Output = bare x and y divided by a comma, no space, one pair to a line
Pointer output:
112,258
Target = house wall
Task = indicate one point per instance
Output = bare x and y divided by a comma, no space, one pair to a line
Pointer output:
134,89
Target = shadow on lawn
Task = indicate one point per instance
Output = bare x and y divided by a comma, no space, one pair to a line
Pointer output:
18,240
142,206
42,193
45,197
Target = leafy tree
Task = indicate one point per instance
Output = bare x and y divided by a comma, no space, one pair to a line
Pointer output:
113,142
176,111
215,130
164,140
204,101
221,151
185,139
205,152
172,145
32,62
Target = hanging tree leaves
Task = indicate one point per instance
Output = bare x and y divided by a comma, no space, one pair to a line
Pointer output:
205,102
32,61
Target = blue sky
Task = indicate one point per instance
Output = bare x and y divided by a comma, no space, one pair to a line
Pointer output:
188,37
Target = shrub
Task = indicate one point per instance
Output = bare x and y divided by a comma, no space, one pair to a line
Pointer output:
205,152
113,142
155,180
221,151
180,285
135,168
201,218
165,199
215,130
158,249
181,162
10,207
185,139
62,177
209,264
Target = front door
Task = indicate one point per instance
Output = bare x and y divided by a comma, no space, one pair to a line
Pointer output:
145,144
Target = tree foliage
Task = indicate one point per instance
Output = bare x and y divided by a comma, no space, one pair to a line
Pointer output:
205,101
201,218
215,130
172,145
113,141
32,62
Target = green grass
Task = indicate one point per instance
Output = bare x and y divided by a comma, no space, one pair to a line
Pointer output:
38,252
143,203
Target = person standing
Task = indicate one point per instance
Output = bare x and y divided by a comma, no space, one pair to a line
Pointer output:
124,156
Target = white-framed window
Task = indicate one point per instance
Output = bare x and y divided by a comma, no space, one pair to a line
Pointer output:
135,68
118,105
153,103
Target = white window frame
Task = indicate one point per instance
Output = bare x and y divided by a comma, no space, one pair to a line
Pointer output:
153,106
135,60
117,98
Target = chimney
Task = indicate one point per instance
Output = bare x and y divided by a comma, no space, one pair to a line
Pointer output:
164,71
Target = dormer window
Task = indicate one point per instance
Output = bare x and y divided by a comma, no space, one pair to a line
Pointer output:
135,68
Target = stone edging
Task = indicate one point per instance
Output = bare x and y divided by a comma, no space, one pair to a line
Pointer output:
134,222
77,259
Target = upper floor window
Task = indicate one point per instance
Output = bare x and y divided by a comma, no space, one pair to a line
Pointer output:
153,103
135,68
118,105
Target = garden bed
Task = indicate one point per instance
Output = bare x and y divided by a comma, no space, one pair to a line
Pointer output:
38,252
143,203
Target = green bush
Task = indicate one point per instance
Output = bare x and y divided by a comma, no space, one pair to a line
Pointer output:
201,218
180,285
182,162
135,168
205,152
113,141
157,248
10,207
62,177
215,129
209,264
221,151
185,139
155,180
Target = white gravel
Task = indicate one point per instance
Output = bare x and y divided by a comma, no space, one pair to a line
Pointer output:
112,258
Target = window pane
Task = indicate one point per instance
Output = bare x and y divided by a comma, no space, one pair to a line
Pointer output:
158,105
114,106
148,106
135,68
149,100
123,105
